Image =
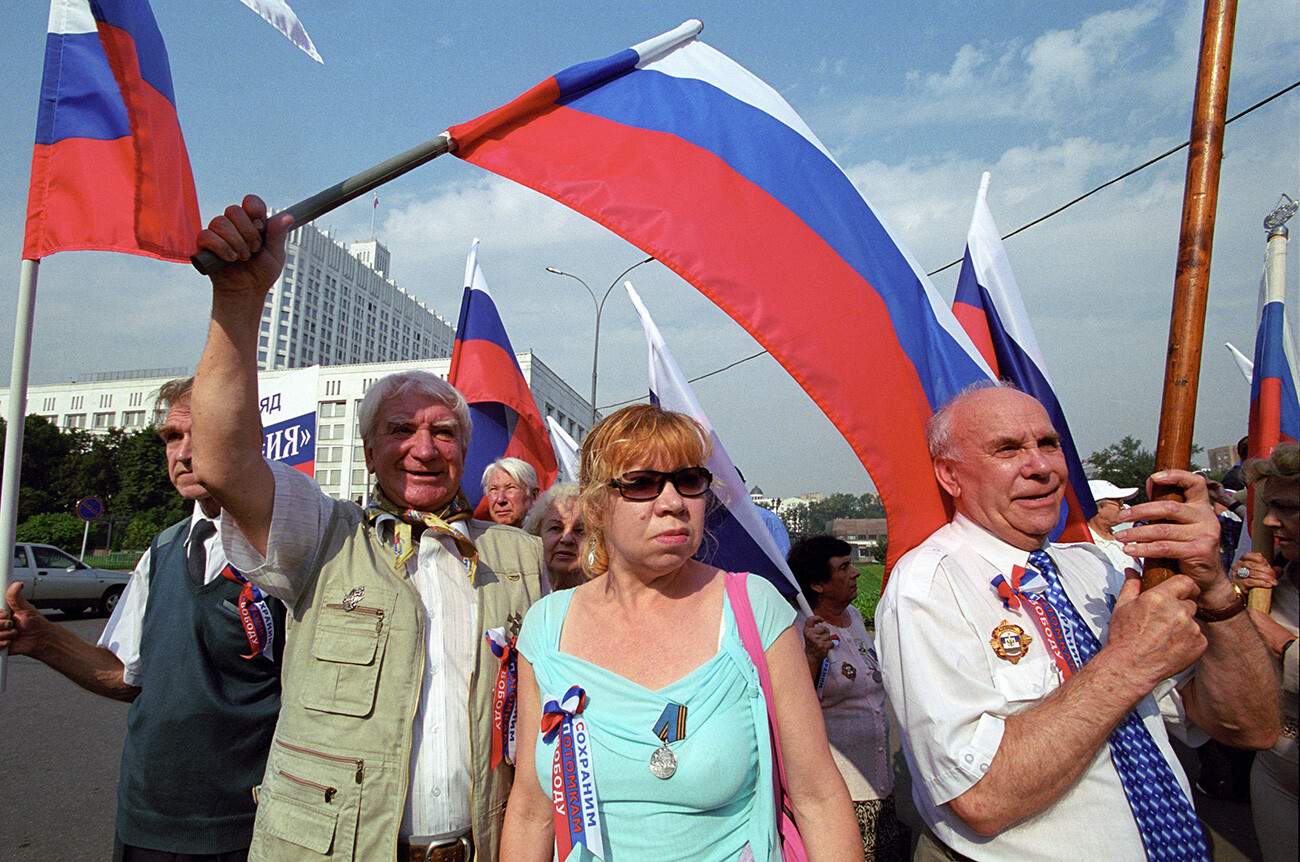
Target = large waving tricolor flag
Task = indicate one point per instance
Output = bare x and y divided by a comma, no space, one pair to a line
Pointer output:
109,171
736,540
989,306
484,369
682,152
1274,411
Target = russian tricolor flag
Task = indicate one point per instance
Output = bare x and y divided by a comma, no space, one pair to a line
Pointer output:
1274,411
484,369
736,539
109,171
687,155
989,306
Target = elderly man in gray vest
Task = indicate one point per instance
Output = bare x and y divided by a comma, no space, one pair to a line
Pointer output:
390,743
204,689
1030,678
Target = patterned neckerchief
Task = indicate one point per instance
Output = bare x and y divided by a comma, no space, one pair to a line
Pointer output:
406,520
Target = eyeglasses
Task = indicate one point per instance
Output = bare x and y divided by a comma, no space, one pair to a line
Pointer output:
649,484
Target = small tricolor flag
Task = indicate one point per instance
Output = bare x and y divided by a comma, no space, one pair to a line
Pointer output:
1274,411
484,369
109,170
989,306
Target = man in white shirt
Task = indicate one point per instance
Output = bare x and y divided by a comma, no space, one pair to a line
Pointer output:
1026,675
392,741
204,693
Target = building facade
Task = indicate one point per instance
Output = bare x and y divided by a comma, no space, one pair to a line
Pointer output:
336,305
104,402
863,534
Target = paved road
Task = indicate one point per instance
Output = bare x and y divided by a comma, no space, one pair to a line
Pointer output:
59,763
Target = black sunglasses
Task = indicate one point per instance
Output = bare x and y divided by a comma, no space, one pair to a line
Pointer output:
649,484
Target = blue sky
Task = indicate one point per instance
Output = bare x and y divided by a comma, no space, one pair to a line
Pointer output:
914,100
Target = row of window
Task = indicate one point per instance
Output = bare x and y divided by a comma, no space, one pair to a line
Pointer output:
78,402
131,419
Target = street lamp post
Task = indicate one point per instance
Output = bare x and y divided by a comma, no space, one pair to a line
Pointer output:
600,307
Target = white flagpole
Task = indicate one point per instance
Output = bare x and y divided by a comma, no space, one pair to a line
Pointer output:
15,418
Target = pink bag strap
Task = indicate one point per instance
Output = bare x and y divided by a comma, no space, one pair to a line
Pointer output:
738,594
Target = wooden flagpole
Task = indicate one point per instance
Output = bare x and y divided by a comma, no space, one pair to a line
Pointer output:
1200,199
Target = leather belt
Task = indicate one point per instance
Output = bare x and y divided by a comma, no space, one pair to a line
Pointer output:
457,850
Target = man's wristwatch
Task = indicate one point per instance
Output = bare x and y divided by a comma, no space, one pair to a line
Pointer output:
1237,606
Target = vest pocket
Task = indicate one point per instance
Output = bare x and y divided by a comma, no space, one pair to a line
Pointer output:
309,800
347,651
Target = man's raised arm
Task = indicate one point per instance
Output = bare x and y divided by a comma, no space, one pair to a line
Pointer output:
227,422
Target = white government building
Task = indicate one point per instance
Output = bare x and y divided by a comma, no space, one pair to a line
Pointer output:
334,307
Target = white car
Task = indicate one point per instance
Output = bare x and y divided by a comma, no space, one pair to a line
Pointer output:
53,579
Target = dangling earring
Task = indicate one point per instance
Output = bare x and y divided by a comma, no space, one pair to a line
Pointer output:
591,557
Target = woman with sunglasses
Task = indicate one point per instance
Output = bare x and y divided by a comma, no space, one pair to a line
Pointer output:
653,740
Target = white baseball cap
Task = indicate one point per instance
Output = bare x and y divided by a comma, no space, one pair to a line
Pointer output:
1103,490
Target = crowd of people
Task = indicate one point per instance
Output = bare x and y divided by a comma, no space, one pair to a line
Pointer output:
316,679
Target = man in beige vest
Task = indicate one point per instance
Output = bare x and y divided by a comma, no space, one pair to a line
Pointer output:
390,744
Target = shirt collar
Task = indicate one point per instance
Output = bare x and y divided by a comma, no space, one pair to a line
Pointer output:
1001,555
198,515
384,518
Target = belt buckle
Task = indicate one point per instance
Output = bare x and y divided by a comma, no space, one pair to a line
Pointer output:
463,843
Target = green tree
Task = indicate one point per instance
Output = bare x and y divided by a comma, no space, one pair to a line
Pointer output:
42,485
1127,464
142,472
61,529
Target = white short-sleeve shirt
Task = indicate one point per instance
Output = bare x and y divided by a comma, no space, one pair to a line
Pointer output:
122,632
952,692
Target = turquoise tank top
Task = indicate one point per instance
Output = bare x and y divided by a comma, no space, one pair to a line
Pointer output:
720,798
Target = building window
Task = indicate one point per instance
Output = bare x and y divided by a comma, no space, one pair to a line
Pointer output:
76,402
132,418
136,399
105,400
74,420
103,420
48,404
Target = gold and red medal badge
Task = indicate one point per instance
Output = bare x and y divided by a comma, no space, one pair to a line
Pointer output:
1010,641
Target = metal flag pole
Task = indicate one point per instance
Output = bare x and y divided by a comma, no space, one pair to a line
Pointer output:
340,193
1196,239
1261,535
15,418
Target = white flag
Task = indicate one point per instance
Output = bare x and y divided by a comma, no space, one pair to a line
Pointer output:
566,449
742,541
278,14
1245,364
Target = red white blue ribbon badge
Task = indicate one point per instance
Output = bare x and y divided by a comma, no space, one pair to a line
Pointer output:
1021,590
504,697
824,671
255,614
573,785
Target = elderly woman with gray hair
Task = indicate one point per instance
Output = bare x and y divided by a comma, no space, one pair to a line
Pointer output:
557,519
509,488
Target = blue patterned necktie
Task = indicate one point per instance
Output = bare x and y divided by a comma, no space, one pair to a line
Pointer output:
1170,831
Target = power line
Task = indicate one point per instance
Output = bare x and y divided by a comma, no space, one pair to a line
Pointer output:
1126,174
1028,225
